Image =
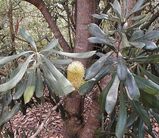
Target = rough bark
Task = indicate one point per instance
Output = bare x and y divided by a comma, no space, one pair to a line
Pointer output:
53,26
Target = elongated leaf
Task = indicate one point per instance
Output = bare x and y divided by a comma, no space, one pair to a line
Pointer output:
97,40
152,35
27,37
75,55
149,45
51,81
101,16
124,42
137,44
131,87
106,17
65,85
117,8
30,88
103,72
137,6
147,59
112,96
131,119
147,85
7,116
121,70
150,76
105,92
142,113
19,90
62,61
150,101
96,31
141,129
96,67
120,127
39,84
14,81
87,87
7,98
50,46
137,34
138,23
4,60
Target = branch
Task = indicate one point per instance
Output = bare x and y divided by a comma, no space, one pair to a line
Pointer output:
54,28
46,119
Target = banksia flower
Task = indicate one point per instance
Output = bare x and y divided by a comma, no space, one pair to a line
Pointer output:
75,73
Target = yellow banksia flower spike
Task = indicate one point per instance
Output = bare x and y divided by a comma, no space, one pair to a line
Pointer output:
75,73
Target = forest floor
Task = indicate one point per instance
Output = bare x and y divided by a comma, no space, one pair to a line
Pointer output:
24,126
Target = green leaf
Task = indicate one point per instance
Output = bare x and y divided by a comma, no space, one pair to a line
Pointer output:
131,119
112,96
124,41
39,84
8,115
21,86
137,44
150,100
141,129
147,85
96,67
149,45
104,94
121,70
62,61
138,23
152,35
75,55
30,88
51,81
97,40
101,16
106,17
4,60
53,43
137,6
96,31
117,8
103,72
150,76
122,119
87,87
131,87
28,38
137,34
146,59
65,85
142,113
14,81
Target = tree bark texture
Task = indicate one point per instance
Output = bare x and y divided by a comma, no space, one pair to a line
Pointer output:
84,11
49,19
74,126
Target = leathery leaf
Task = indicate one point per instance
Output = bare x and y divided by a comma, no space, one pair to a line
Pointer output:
112,96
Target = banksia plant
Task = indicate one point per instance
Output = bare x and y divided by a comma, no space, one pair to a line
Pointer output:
75,73
38,69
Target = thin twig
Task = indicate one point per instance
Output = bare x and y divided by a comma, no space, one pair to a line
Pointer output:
46,119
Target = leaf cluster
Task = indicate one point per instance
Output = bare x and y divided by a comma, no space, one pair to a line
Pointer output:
131,58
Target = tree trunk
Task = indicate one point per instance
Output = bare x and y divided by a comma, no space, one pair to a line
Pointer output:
44,10
74,104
